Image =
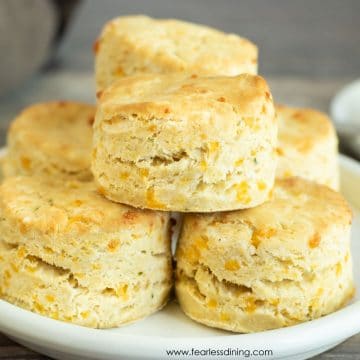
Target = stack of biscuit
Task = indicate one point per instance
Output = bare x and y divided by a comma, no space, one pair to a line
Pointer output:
182,123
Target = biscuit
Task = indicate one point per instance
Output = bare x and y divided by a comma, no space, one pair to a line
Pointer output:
179,143
51,139
308,146
68,253
281,263
138,44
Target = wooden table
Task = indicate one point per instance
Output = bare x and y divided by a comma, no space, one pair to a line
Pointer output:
290,90
349,350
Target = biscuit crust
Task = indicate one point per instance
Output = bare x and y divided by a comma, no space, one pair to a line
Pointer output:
51,139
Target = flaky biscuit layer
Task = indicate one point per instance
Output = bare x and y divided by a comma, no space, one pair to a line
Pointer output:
281,263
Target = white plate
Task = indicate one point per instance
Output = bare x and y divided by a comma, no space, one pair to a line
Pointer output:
345,112
345,108
171,330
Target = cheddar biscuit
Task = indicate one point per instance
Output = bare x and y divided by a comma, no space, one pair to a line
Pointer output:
307,146
281,263
68,253
173,142
51,139
138,44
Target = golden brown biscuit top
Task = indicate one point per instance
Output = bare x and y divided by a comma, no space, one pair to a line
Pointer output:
188,45
60,129
302,128
50,206
187,96
293,219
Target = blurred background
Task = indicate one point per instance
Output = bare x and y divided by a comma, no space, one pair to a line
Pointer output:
308,48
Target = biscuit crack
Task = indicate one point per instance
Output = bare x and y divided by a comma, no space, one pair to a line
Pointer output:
238,288
57,270
157,160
